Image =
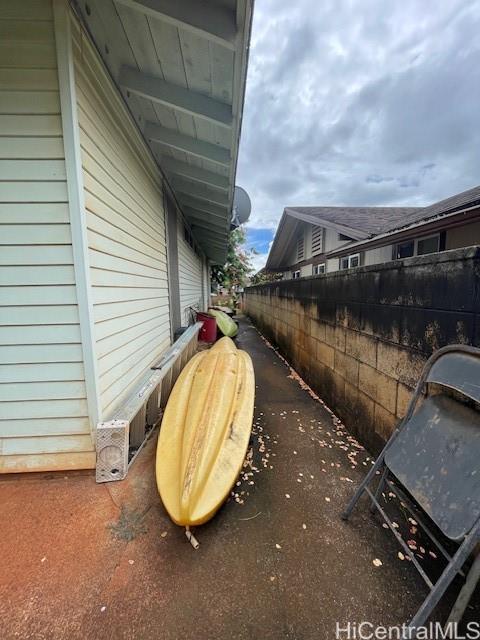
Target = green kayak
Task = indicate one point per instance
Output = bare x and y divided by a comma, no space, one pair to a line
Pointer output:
226,325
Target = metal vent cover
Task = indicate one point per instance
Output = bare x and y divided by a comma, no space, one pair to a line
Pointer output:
112,450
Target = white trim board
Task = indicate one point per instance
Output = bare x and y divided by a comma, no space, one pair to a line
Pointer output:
73,162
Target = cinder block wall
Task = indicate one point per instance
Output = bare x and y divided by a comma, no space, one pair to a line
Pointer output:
360,338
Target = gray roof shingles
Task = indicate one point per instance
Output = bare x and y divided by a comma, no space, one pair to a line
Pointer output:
371,220
376,220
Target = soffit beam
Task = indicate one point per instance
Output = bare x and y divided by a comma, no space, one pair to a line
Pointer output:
174,96
206,19
199,190
187,144
191,172
203,205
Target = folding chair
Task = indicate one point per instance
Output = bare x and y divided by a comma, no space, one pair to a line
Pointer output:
433,457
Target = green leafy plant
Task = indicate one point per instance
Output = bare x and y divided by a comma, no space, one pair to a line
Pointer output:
235,273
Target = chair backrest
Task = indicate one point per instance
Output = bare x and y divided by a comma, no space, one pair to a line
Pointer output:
435,455
458,368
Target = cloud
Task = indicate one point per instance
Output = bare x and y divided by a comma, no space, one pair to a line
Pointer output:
367,103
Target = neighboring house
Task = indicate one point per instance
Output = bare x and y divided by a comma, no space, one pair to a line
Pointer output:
316,240
119,131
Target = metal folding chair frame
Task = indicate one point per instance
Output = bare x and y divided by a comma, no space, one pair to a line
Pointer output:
466,547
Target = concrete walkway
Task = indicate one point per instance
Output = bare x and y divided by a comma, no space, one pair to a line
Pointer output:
81,560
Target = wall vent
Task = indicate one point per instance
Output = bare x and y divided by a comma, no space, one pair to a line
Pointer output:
300,246
317,240
112,450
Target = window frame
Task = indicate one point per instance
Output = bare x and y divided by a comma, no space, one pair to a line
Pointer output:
415,246
433,235
316,267
349,259
296,274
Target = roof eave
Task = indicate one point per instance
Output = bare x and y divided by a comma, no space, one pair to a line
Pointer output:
320,222
232,32
437,223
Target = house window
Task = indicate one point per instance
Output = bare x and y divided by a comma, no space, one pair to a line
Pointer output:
318,269
317,240
417,247
295,274
428,245
404,250
348,262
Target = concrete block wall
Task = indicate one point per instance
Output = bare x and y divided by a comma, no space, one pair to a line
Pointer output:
360,337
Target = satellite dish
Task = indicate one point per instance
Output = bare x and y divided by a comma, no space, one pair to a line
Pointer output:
241,207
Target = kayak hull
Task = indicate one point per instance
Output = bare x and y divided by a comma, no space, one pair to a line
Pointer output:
205,433
226,325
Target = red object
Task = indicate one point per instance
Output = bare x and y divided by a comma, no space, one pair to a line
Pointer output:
208,332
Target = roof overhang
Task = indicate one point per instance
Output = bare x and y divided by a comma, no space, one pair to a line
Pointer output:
320,222
439,223
285,235
282,241
181,66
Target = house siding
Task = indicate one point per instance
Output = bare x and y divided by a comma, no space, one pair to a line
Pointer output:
206,283
126,233
330,242
464,236
378,255
43,405
190,275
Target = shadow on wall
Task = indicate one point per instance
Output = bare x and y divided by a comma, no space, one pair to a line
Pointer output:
360,338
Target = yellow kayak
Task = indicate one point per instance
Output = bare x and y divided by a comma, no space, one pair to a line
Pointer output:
226,325
205,433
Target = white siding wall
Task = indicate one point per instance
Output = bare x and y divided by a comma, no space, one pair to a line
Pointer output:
126,233
206,284
189,275
43,404
333,264
378,256
331,240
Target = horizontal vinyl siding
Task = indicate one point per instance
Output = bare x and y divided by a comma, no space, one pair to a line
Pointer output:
43,406
190,275
126,235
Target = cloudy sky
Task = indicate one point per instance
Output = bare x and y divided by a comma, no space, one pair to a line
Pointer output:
359,102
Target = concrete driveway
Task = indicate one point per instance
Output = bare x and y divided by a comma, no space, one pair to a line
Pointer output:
81,560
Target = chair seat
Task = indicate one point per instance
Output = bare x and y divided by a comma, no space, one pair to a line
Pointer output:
436,457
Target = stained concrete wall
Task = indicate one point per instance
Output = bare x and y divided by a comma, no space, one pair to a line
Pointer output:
360,337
